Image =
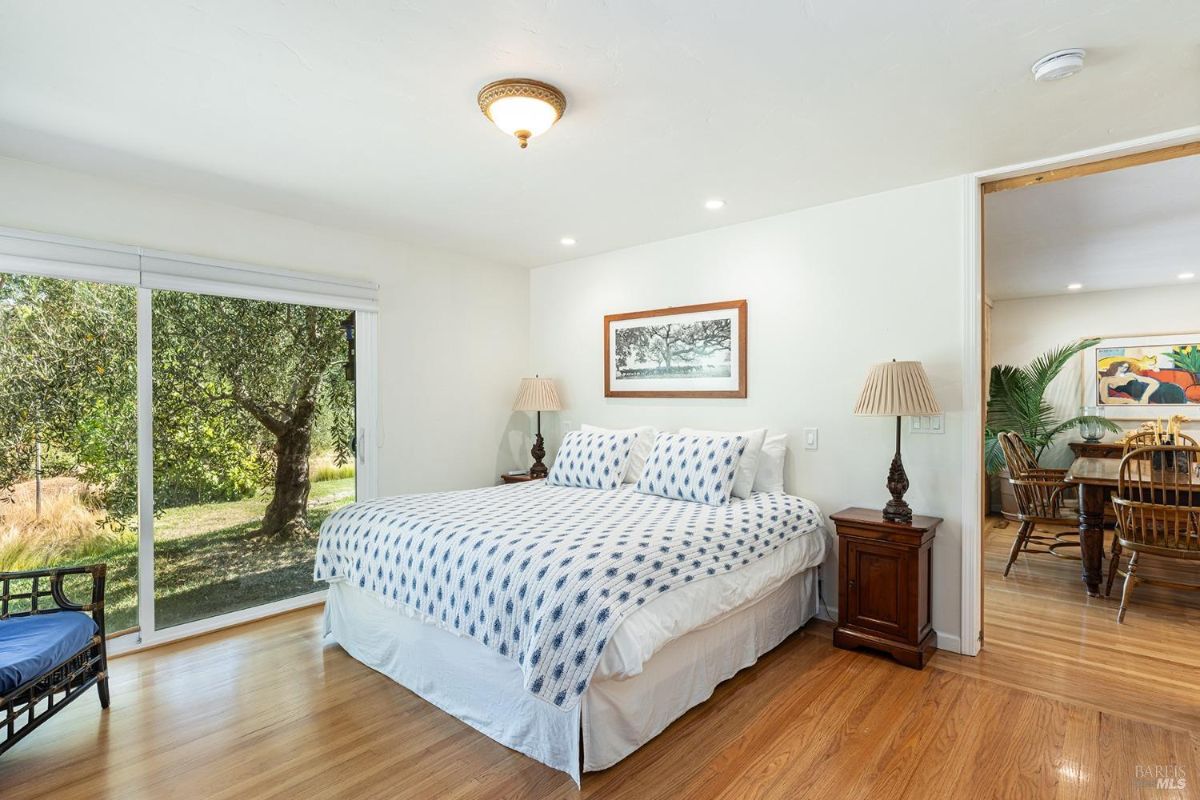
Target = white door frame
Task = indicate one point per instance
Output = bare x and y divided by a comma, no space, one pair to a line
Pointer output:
972,510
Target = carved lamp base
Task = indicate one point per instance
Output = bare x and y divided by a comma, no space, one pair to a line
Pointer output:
897,483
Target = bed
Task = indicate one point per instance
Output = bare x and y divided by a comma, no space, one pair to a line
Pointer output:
572,625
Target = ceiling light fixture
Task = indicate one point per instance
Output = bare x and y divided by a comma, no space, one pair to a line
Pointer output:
1074,287
1058,65
715,204
1186,276
522,107
568,241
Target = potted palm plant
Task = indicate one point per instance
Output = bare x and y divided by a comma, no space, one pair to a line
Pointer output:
1017,402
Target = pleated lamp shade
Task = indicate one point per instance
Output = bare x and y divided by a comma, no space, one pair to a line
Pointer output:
537,394
897,389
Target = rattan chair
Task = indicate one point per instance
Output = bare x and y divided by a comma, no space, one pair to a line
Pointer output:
1040,493
59,662
1158,512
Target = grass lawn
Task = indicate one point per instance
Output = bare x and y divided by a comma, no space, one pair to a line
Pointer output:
206,563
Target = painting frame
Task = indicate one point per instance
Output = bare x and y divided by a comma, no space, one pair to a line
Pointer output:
1092,379
676,386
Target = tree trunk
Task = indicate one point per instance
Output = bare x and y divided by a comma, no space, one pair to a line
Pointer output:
287,515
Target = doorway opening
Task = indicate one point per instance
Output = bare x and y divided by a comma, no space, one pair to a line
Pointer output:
1090,330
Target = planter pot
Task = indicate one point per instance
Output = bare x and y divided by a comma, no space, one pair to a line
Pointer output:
1002,498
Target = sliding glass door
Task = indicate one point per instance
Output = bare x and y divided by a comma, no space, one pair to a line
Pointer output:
189,422
68,431
253,440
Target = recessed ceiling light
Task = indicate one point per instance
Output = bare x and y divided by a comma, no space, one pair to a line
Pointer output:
1058,65
1074,287
1186,276
714,204
568,241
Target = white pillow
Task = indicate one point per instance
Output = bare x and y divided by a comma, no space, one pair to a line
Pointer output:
770,464
641,448
743,482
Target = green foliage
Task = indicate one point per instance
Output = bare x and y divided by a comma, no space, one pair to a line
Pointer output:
1187,357
1017,402
232,379
68,381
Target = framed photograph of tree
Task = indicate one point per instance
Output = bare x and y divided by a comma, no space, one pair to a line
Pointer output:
684,351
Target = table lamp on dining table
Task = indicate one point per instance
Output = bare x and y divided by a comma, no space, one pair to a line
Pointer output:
537,394
897,389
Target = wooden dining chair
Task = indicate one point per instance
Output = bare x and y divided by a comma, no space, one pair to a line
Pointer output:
1158,512
1040,493
1151,439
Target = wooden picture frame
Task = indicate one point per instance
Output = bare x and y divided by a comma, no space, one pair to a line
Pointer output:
639,360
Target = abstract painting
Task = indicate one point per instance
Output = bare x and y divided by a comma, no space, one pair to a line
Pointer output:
1140,377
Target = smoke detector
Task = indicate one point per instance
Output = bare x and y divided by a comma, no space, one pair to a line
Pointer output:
1059,64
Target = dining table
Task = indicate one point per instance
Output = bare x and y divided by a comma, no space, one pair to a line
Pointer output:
1097,479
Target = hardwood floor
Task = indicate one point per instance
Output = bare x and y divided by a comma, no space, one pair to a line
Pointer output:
267,711
1043,633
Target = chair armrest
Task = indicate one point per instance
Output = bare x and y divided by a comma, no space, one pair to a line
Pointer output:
54,591
1042,472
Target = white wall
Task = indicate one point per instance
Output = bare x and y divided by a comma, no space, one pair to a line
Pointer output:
1023,329
453,330
830,290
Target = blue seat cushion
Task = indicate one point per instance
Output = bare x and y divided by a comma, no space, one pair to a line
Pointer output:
30,646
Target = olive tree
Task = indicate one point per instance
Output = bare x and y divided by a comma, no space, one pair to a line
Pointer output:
272,363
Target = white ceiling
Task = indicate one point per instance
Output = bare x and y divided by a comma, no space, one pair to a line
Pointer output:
362,114
1124,229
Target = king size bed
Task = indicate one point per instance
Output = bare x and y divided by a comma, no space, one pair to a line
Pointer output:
570,624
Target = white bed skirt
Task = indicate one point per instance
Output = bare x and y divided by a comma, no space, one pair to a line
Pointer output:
484,689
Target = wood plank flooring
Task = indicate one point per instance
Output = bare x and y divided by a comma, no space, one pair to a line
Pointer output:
267,711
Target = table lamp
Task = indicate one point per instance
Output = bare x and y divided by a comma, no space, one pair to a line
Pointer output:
897,389
537,394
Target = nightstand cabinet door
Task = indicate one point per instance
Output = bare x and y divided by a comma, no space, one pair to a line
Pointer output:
884,585
876,577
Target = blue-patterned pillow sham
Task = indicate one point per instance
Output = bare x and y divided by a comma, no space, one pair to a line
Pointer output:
692,467
591,460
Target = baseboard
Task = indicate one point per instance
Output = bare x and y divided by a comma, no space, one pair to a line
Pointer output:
945,641
949,641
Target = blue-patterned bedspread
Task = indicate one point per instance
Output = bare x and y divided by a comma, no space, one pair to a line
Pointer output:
544,574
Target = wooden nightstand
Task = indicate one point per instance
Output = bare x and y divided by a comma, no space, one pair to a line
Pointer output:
524,476
883,585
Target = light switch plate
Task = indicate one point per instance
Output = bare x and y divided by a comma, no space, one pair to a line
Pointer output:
810,438
935,423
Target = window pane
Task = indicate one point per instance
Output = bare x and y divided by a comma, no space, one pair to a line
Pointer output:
253,429
68,432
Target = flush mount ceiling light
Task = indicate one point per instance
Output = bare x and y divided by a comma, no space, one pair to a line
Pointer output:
1059,64
715,204
1074,287
1186,276
522,107
567,241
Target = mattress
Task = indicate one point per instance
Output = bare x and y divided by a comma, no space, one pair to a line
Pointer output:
698,605
556,579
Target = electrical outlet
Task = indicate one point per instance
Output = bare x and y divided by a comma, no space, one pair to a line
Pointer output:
935,423
810,438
